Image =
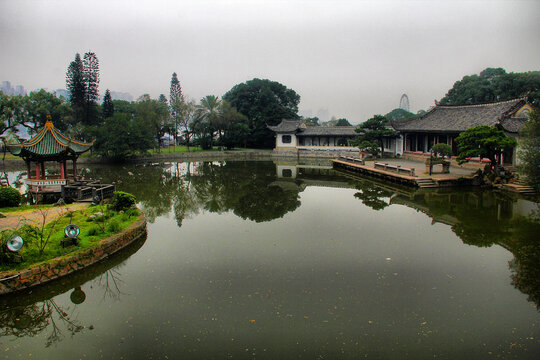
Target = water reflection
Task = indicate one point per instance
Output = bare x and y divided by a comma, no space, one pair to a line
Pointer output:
478,217
256,191
31,312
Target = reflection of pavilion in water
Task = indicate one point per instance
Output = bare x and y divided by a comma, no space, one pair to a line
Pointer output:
32,311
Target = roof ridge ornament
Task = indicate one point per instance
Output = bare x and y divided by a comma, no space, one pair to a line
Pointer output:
48,123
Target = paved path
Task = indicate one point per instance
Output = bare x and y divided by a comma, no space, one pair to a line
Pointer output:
420,168
15,219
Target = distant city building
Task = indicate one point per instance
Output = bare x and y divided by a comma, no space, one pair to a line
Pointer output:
117,95
323,115
61,92
7,89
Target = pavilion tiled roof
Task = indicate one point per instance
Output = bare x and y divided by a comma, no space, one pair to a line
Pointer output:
454,119
49,144
287,126
299,127
328,131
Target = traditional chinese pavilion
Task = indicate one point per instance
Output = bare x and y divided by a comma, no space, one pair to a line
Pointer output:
49,145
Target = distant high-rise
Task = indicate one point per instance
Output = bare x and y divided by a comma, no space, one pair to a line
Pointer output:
7,89
117,95
404,102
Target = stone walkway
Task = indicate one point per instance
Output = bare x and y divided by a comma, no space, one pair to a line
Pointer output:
420,168
15,219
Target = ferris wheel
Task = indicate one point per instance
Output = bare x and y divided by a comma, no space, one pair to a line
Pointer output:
404,102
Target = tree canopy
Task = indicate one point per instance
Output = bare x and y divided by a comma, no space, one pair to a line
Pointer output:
530,149
483,141
374,130
263,102
492,85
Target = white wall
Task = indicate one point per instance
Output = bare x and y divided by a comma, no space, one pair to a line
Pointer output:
292,144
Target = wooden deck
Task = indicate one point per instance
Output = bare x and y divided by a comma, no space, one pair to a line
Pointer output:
423,181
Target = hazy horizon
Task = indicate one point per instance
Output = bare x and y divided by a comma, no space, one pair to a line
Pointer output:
352,58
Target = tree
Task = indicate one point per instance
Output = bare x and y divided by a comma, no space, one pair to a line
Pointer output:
483,141
530,149
235,126
187,111
91,83
375,130
38,104
312,121
209,117
11,111
343,122
108,105
263,102
76,88
154,113
122,136
494,84
400,114
175,103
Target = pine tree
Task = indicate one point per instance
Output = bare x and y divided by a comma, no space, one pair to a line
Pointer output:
76,88
91,83
91,77
176,99
107,106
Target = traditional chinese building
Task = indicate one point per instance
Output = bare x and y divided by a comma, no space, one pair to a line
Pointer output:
444,123
441,124
49,145
294,135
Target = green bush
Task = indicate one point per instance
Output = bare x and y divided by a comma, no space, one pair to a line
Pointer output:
122,201
114,226
9,197
442,150
94,230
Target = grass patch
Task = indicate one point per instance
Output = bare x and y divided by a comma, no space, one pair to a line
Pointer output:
23,208
93,229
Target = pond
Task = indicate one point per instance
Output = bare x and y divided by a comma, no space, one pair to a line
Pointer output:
284,260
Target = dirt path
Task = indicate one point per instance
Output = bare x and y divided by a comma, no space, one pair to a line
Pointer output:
14,219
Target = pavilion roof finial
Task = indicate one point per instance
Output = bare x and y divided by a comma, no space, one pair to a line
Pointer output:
49,123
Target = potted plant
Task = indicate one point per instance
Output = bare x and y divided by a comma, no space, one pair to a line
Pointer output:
439,154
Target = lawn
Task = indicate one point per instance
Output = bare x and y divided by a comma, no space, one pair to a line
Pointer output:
42,244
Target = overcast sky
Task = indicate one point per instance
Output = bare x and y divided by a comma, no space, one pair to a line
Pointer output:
353,58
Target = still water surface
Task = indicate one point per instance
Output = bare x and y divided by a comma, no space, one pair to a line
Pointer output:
262,260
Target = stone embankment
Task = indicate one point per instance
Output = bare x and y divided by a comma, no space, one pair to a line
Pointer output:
11,281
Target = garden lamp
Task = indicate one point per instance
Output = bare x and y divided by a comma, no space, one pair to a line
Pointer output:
14,244
71,231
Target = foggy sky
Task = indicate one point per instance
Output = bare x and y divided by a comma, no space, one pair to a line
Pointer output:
353,58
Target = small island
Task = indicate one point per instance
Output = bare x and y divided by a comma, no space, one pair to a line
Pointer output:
47,250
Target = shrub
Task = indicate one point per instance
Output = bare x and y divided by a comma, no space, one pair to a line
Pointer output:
94,230
122,201
9,197
442,150
114,226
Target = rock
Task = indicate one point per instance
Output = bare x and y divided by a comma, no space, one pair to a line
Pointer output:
2,215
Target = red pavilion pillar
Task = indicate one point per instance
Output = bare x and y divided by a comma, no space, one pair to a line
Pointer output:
43,170
75,168
37,172
62,170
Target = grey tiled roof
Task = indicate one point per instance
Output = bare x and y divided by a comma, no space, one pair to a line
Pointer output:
298,127
328,131
287,126
444,118
513,125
